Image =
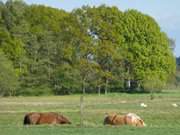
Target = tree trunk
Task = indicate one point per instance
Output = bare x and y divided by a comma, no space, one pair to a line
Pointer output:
83,87
128,84
81,111
49,74
106,86
20,67
48,71
99,90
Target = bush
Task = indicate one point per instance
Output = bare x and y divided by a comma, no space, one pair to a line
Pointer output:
153,85
36,91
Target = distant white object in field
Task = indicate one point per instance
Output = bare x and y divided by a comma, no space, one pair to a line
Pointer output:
175,105
143,105
123,102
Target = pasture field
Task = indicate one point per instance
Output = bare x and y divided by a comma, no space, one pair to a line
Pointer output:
161,117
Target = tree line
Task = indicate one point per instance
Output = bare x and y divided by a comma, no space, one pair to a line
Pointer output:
44,50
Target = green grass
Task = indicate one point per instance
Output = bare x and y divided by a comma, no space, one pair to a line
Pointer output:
160,116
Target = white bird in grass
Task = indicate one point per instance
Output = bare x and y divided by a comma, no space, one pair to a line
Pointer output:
143,105
174,105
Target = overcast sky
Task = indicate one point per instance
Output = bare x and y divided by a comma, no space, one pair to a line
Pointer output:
165,12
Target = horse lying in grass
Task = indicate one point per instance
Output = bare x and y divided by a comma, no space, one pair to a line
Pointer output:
128,119
36,118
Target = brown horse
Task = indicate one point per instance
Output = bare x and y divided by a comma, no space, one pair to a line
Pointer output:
45,118
128,119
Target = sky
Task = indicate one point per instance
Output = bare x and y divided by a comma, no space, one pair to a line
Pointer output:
165,12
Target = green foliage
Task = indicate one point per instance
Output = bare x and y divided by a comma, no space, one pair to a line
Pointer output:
88,49
148,53
8,78
66,80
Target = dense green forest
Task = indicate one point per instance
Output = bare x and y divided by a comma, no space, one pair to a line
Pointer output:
44,50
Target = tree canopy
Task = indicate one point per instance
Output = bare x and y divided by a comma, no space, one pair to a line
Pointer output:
51,51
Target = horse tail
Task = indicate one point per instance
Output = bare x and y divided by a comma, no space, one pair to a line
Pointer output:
26,120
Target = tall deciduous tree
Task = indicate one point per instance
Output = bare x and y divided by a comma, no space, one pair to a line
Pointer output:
148,52
102,25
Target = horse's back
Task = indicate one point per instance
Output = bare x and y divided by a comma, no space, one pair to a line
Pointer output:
114,119
48,118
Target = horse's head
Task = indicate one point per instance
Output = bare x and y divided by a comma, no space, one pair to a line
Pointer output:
140,123
63,120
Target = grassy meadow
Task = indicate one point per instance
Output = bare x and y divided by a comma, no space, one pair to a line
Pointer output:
160,116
